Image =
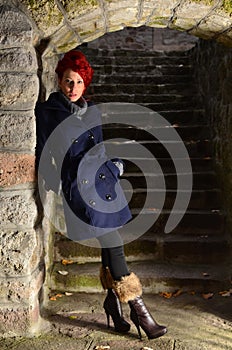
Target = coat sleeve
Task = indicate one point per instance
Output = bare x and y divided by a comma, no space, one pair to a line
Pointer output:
45,166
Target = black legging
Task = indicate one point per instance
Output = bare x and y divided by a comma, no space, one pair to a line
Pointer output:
113,258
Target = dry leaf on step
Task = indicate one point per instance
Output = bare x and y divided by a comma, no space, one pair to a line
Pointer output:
146,348
207,296
102,347
63,273
67,262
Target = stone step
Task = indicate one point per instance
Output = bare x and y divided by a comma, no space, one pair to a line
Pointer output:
155,277
193,222
204,164
169,67
157,247
198,148
142,90
200,199
160,74
186,132
200,180
145,100
133,53
143,115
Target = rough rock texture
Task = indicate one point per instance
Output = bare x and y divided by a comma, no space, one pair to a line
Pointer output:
21,273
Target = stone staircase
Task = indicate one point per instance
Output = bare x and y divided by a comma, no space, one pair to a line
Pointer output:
194,256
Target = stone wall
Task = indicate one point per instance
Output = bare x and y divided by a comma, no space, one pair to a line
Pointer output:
21,272
214,62
145,38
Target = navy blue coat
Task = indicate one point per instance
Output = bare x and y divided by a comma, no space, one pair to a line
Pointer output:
70,152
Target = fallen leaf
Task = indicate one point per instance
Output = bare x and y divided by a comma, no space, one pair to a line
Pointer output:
54,297
102,347
177,293
68,294
67,262
72,317
225,293
207,296
205,274
63,273
166,295
191,292
146,348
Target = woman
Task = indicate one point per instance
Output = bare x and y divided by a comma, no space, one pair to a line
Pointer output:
68,129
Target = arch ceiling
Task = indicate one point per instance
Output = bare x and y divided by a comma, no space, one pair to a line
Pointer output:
68,23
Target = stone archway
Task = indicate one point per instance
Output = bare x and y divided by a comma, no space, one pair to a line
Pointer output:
54,27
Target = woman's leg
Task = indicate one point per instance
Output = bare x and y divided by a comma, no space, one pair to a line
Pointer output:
127,287
114,257
114,267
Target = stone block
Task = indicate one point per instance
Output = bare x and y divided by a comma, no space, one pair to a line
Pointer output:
17,131
15,29
189,15
18,92
21,290
18,60
77,8
17,209
20,253
46,15
19,320
93,26
16,169
120,17
158,13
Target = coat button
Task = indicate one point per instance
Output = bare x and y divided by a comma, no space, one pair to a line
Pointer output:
92,202
75,140
91,136
102,176
84,181
108,197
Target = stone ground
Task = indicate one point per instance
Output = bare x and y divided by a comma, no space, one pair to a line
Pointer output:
77,322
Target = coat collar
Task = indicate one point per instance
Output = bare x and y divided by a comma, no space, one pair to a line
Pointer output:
57,100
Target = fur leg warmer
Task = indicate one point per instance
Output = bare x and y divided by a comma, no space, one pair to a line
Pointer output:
106,278
128,288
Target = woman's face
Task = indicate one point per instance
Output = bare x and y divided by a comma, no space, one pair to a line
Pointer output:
72,85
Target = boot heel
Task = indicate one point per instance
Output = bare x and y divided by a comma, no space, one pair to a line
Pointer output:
135,320
113,309
108,319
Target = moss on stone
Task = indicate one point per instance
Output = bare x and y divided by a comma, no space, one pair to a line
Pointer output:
227,6
44,12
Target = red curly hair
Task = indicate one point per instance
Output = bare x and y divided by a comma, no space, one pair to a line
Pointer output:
76,61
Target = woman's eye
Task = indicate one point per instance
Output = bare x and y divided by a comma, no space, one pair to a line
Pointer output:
68,81
80,82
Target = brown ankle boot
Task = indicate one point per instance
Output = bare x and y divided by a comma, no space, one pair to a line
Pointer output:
129,290
112,305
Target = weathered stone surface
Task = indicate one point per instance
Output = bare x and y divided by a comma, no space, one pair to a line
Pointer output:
46,15
18,60
75,7
17,131
158,14
120,15
189,15
20,253
18,91
17,209
93,26
211,26
16,169
20,320
64,41
21,290
15,28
